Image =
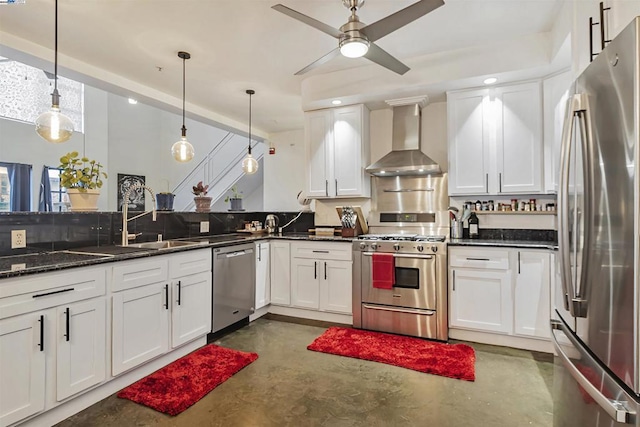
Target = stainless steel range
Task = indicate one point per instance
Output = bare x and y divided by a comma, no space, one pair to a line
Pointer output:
409,221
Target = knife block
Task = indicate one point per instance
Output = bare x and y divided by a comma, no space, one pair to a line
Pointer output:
352,232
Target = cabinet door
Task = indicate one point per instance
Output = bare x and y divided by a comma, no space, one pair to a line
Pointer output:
347,151
191,311
280,273
22,367
263,286
336,287
531,294
469,139
140,325
81,346
519,144
555,95
305,283
318,136
480,300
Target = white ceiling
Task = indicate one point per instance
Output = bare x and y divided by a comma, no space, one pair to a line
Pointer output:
240,44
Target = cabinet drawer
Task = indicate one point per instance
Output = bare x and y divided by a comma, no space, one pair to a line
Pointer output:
37,292
329,251
190,262
134,273
495,259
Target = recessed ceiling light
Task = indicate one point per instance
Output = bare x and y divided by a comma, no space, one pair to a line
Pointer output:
336,102
490,80
133,101
383,171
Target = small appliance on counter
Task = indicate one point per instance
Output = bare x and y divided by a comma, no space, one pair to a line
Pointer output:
271,223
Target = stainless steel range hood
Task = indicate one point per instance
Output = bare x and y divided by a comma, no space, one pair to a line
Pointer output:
405,157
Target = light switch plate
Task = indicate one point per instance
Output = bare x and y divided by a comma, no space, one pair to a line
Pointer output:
204,226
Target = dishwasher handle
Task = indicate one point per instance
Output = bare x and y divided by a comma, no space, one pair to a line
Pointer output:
236,253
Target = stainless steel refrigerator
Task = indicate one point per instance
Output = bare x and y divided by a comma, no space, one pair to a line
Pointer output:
597,322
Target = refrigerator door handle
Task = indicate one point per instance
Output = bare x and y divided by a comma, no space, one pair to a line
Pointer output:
614,408
563,205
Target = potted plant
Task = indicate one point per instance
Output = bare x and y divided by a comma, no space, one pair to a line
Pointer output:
203,203
83,179
235,199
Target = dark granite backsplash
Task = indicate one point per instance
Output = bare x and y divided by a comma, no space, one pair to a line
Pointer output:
47,231
515,234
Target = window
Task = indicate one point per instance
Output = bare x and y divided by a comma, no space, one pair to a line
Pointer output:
59,198
25,93
5,190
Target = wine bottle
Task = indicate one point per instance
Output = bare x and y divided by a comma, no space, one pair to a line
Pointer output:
474,226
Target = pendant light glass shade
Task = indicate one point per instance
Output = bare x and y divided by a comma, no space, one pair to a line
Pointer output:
249,164
182,151
53,126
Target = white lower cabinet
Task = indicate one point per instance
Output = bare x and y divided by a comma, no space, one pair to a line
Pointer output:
22,367
498,290
531,296
191,308
321,276
140,328
80,346
280,273
481,300
263,282
52,337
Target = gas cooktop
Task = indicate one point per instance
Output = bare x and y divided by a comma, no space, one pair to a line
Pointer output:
402,237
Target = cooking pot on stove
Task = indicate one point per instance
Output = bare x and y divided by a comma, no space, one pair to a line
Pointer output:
271,223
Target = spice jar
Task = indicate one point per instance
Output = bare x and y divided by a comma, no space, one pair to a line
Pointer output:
514,204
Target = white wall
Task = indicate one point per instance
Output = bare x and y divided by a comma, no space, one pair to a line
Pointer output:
284,172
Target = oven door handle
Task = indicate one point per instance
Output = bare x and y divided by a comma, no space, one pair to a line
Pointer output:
402,255
401,310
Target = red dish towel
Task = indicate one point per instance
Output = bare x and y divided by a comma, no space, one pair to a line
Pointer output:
383,271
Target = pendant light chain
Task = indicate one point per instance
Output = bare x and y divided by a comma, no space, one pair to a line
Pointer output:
184,60
250,92
55,96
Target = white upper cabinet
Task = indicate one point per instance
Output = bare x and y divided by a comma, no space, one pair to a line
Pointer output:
519,146
469,140
556,94
337,144
495,140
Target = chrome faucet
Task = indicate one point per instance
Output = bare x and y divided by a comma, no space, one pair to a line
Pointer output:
125,208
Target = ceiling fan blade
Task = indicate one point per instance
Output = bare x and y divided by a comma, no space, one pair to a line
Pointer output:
335,52
308,20
381,57
387,25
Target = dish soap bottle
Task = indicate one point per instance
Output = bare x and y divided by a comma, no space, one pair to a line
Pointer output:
473,226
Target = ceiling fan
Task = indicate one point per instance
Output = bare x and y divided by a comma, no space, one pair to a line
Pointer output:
356,39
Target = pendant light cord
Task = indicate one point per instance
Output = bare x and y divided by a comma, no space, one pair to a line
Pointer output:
250,95
55,96
184,129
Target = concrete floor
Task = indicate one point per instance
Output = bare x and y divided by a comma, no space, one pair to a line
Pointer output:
291,386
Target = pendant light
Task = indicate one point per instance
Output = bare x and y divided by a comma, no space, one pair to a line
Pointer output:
54,126
182,150
249,164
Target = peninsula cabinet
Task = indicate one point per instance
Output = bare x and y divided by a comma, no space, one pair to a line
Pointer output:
495,140
502,291
280,273
337,149
52,332
263,282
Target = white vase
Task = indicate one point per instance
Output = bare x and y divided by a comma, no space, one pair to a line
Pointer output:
83,201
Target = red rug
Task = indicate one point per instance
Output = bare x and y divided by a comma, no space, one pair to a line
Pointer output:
182,383
447,360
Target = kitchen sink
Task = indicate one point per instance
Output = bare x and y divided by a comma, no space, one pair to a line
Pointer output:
165,244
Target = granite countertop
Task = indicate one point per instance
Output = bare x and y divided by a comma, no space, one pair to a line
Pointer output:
531,244
19,265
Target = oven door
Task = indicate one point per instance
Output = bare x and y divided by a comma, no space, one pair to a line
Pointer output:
415,285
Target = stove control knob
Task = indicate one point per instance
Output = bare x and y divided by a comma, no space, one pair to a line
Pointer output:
374,246
363,245
396,246
434,248
420,248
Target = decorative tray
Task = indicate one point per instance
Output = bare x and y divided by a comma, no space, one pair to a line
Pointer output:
263,231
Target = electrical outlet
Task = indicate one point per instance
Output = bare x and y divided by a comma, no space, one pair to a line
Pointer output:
18,239
204,226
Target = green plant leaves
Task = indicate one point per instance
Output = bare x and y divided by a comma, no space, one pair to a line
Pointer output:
81,173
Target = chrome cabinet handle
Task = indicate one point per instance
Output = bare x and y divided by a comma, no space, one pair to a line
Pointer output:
325,271
487,183
478,259
320,252
518,262
259,252
614,408
454,280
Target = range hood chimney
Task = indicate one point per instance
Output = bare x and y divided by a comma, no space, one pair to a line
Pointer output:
405,157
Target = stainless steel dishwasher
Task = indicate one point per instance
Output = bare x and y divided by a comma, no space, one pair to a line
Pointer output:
234,282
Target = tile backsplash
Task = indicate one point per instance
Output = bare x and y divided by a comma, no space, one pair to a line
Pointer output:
49,231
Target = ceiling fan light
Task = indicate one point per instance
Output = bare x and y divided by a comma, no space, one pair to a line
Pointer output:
354,48
182,150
